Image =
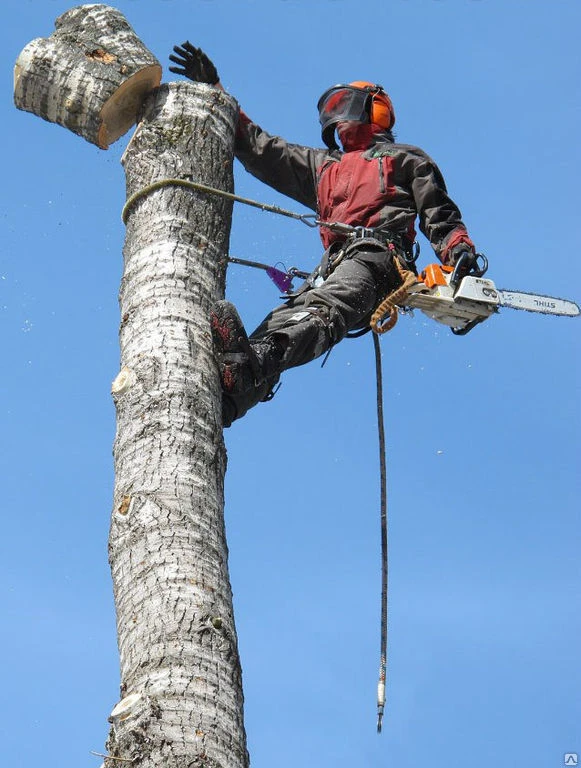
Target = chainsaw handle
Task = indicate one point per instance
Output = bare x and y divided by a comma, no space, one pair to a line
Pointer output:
474,268
468,327
484,268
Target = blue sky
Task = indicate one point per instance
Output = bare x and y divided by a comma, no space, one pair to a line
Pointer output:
483,456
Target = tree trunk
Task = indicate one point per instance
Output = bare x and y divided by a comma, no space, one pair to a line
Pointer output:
90,76
180,672
181,691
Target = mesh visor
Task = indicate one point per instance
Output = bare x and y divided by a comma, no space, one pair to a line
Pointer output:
342,103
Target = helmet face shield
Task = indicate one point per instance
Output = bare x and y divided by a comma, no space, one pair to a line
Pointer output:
342,103
351,103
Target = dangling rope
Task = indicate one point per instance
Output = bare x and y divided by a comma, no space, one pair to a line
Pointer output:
383,320
383,514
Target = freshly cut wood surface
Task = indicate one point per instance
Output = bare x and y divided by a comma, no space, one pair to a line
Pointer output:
91,75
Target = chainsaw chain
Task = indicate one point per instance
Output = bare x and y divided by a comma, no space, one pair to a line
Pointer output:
540,311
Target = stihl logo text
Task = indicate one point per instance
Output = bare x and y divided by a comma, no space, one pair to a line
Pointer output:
545,304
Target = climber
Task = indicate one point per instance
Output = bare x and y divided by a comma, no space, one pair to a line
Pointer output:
371,184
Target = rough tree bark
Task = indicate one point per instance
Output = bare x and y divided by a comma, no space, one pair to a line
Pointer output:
90,76
181,693
180,674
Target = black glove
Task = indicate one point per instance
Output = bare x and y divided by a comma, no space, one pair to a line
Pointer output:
466,262
193,64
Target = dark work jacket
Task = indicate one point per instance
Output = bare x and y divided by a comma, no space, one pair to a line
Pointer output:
388,185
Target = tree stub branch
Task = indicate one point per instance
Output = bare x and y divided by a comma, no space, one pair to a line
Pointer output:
111,757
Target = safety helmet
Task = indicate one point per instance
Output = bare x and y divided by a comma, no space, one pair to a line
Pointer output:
361,101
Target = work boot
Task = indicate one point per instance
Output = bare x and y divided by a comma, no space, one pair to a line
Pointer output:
244,371
236,406
248,370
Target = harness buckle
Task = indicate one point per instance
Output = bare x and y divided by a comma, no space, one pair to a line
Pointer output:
360,233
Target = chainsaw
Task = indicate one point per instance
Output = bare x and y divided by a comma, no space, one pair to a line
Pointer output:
440,292
463,302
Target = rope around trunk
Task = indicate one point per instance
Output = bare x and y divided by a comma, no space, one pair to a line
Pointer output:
195,186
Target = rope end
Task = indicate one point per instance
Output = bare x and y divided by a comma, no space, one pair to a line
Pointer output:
380,697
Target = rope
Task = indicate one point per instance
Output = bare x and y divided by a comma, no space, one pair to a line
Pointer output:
388,308
385,316
196,186
384,557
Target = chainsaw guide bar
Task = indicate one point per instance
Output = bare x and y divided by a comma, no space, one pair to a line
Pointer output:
474,300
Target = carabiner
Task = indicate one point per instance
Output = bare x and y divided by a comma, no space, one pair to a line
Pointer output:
305,219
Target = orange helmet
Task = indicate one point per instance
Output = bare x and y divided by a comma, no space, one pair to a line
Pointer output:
360,101
381,111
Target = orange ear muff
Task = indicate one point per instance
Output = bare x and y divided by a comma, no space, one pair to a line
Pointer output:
382,111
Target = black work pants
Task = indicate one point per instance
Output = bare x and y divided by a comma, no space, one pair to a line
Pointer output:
313,321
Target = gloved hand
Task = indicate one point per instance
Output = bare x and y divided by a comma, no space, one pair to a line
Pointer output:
193,64
466,262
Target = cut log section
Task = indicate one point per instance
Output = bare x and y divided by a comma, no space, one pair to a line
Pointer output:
91,75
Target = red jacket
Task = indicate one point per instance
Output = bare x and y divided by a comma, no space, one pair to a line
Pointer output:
388,185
